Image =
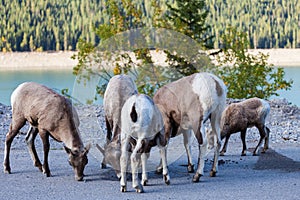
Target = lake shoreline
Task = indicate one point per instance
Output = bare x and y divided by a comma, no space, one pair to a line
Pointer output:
62,59
15,61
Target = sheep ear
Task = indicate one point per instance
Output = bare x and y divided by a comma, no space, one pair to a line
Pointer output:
87,148
69,151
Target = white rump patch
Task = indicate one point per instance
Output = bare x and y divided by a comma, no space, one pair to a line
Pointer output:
205,87
15,94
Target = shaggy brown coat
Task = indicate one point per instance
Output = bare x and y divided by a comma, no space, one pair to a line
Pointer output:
237,117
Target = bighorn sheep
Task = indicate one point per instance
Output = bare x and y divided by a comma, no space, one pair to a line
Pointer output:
48,114
237,117
142,128
118,90
185,105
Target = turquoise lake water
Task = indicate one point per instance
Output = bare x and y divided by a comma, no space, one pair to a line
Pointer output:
60,79
292,95
56,80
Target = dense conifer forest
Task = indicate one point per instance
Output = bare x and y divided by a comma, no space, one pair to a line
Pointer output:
53,25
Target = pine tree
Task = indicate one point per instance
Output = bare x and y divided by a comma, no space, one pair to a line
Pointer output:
189,18
31,44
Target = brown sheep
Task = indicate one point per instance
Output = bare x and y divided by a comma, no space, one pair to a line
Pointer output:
48,114
237,117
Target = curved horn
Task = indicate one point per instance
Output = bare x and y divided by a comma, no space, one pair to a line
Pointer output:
100,149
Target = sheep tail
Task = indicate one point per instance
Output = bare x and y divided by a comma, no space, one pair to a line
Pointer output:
133,114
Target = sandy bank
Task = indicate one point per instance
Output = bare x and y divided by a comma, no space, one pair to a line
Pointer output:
281,57
62,60
37,60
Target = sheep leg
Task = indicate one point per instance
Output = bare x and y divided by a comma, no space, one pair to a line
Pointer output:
187,145
108,131
163,155
262,137
199,172
134,166
144,169
108,140
266,145
243,138
123,163
162,144
224,149
46,144
159,168
202,152
134,170
214,168
215,121
30,137
14,128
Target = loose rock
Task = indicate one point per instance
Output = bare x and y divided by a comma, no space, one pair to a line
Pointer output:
283,121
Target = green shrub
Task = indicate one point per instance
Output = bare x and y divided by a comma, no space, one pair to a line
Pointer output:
247,75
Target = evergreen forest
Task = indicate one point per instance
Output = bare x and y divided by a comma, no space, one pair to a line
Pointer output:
53,25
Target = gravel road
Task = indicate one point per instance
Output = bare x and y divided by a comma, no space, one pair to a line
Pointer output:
273,175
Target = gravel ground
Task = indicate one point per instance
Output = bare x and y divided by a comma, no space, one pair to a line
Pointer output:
283,121
273,175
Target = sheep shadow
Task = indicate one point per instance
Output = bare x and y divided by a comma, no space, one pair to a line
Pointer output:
271,160
178,171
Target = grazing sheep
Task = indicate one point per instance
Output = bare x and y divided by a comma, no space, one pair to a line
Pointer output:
118,90
48,114
237,117
142,128
185,105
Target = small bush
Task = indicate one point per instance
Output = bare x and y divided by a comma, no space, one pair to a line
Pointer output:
247,75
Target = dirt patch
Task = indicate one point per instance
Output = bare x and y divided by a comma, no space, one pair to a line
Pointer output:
273,160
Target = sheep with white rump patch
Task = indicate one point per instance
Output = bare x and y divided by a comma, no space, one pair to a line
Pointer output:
142,128
48,114
237,117
118,90
185,105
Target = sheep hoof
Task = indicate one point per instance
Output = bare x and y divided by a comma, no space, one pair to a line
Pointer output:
222,153
196,177
159,170
139,189
191,168
6,168
264,150
167,179
40,168
243,154
212,173
255,154
7,171
48,174
144,182
123,188
168,182
103,166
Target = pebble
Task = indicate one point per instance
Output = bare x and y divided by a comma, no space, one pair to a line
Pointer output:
283,122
